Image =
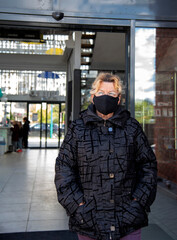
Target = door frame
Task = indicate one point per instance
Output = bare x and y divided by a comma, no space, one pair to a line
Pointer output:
59,131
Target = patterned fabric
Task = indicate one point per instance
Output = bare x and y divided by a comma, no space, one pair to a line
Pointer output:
106,164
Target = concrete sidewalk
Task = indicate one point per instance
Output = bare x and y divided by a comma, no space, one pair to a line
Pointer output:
28,200
163,217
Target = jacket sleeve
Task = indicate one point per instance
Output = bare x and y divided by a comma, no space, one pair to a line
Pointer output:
146,185
66,177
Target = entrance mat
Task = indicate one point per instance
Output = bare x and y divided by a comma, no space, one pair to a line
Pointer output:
46,235
154,232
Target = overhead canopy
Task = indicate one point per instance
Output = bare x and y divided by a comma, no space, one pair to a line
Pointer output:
109,51
34,62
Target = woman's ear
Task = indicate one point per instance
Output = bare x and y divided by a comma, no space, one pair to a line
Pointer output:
119,99
92,96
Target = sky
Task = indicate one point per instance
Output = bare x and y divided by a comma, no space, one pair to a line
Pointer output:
145,49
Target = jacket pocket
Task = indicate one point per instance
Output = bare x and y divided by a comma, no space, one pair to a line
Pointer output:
133,214
85,215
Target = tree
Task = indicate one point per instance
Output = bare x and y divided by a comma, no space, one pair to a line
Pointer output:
144,111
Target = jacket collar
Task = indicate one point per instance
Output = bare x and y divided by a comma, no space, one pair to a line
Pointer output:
119,118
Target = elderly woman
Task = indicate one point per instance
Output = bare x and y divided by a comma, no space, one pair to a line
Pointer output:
106,170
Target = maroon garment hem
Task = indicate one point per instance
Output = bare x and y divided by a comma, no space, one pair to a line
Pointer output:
132,236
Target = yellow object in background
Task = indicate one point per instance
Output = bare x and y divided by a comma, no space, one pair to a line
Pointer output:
55,51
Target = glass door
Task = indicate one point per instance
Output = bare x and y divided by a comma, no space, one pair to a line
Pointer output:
47,124
36,126
53,125
44,125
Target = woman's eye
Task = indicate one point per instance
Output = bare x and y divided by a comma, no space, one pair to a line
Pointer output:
100,93
112,94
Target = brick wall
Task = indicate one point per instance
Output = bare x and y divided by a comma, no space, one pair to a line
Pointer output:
164,129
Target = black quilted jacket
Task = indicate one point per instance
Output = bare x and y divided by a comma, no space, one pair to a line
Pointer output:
107,164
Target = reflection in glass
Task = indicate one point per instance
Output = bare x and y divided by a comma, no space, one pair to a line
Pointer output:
155,94
145,80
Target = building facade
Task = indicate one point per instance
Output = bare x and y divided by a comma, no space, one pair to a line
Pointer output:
135,39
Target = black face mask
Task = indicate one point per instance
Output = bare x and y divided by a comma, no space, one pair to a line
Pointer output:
106,104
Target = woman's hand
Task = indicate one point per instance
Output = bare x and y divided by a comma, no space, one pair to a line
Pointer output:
82,203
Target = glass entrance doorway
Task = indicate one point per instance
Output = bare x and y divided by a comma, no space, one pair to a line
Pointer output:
46,125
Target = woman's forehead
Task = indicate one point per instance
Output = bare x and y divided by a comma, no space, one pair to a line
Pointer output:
107,86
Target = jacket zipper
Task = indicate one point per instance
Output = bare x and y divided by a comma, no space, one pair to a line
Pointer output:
110,236
104,123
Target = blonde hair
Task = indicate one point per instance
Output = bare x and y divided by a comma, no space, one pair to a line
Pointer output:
106,77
